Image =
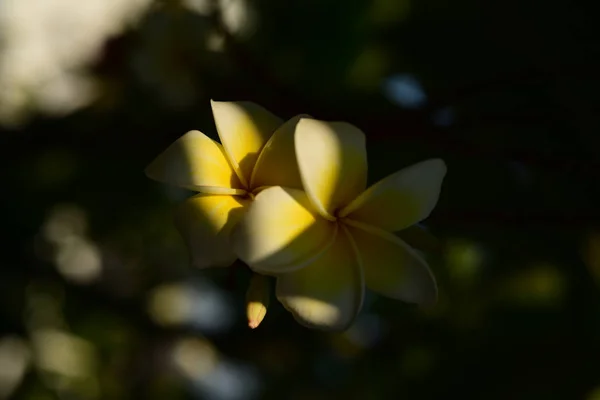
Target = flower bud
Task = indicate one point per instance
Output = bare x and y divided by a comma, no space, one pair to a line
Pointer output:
257,300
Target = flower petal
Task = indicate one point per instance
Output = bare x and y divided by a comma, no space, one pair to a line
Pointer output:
280,232
419,237
276,164
328,293
205,222
391,267
402,199
332,159
195,162
244,128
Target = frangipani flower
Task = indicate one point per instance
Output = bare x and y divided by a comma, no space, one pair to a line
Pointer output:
256,151
324,244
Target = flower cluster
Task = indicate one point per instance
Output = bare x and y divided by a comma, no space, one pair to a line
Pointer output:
290,199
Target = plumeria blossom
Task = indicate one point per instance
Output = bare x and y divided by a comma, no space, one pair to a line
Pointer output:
256,151
326,242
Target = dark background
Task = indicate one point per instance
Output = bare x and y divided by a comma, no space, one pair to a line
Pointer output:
97,300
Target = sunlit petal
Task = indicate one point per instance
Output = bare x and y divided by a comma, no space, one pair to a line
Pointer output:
402,199
277,165
195,162
244,128
392,268
332,159
328,293
205,222
280,232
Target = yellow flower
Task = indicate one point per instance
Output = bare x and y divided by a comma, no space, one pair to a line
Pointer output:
256,151
325,243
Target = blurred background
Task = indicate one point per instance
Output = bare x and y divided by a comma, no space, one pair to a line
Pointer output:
97,298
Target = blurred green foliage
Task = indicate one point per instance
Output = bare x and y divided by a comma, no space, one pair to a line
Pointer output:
97,300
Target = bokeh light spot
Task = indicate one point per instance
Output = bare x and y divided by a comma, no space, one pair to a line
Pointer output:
405,90
14,360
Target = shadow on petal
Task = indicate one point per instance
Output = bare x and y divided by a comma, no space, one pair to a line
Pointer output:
281,232
392,268
205,223
328,293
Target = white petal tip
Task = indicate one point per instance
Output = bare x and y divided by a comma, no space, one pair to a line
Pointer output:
151,170
148,172
439,164
214,104
309,123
